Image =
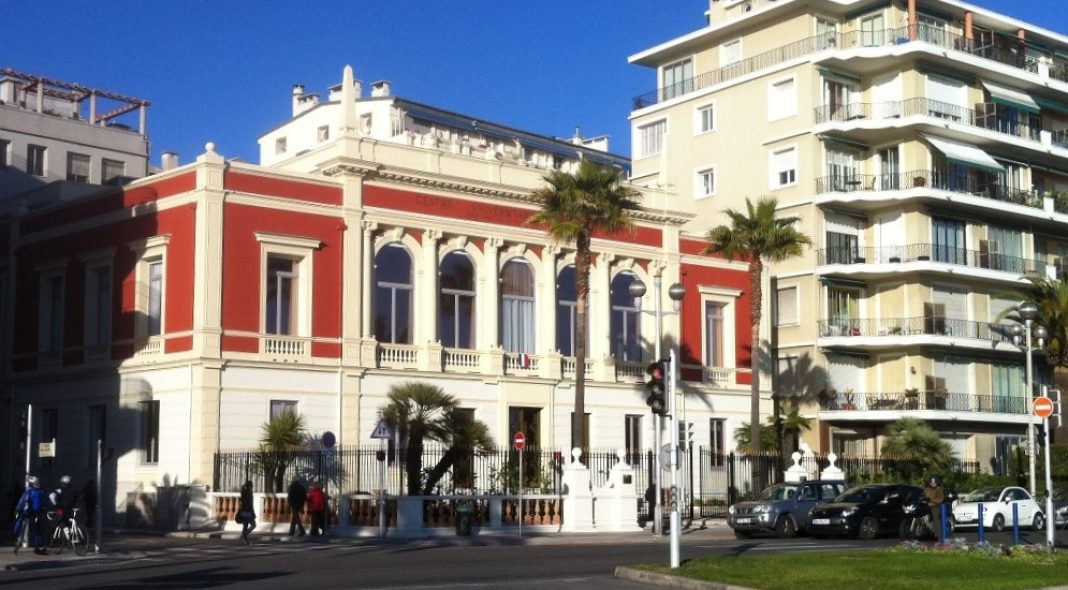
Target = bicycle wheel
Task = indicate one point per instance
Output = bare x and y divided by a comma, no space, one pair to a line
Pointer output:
23,537
59,539
78,539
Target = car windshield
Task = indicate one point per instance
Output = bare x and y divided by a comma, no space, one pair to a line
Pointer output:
862,494
782,491
984,495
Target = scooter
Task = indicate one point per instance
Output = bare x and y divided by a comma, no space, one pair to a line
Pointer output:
919,522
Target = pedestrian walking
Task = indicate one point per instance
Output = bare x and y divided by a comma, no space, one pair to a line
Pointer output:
317,508
246,514
297,495
32,507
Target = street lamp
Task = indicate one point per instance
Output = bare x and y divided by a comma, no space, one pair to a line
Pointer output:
1028,312
676,292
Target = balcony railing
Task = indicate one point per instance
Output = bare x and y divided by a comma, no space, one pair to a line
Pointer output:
986,115
934,179
934,253
1021,55
916,326
923,400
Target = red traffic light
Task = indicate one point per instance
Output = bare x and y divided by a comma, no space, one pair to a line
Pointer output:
656,370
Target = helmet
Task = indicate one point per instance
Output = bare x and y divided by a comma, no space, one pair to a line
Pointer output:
65,480
32,482
935,480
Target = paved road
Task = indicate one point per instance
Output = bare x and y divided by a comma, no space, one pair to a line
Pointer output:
484,562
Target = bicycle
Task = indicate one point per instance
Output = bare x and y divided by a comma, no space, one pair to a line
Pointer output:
68,533
22,532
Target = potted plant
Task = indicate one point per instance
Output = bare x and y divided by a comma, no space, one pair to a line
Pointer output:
912,398
848,395
827,396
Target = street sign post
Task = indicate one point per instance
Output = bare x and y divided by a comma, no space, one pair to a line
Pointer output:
382,432
520,443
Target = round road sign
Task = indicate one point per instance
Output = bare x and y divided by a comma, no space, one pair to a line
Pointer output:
1043,407
520,441
329,440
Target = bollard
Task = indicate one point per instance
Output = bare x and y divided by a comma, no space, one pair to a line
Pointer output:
982,529
1015,524
945,524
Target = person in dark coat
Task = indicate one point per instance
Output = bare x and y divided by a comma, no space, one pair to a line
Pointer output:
246,512
317,508
89,498
297,496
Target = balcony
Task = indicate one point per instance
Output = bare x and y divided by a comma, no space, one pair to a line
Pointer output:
1035,59
986,188
984,259
986,115
903,330
915,401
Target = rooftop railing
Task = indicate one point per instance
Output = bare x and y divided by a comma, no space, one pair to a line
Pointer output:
1016,53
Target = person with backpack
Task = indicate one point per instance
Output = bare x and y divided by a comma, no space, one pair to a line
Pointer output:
32,507
317,508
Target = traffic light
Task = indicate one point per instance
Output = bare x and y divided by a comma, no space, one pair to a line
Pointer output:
657,401
1058,408
23,431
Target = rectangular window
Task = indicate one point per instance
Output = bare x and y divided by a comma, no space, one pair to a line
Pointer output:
705,119
730,53
112,171
51,314
97,432
49,431
98,305
323,133
783,167
77,167
782,99
281,295
713,334
4,157
632,426
786,306
281,406
651,138
716,440
706,182
678,78
155,298
35,160
871,30
280,145
949,240
150,431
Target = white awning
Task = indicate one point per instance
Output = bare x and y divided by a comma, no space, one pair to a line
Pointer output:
967,155
1012,98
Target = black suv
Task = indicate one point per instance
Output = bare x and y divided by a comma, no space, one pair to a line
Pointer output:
783,508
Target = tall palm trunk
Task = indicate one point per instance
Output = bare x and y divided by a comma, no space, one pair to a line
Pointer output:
582,288
756,272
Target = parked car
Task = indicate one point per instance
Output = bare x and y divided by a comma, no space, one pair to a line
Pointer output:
782,508
1060,509
997,508
866,511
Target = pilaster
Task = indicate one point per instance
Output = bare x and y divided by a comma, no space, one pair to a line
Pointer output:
427,286
208,254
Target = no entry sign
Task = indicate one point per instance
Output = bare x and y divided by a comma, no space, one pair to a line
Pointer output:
1043,407
519,441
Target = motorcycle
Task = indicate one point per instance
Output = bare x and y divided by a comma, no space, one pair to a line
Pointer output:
919,522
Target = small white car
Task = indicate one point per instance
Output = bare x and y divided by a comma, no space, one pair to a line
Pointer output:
997,509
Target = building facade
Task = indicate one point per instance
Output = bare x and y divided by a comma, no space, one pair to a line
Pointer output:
381,241
922,145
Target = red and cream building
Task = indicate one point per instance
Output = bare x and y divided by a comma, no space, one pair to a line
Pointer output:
381,241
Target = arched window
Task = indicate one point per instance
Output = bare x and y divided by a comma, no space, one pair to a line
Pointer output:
517,306
456,316
393,295
626,324
566,297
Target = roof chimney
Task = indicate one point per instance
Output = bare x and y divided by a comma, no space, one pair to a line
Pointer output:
298,93
169,161
380,88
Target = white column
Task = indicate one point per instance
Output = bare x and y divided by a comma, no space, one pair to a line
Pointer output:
546,302
367,276
489,308
426,327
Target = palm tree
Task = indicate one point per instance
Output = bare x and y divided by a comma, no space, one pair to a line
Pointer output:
759,237
281,436
792,423
574,208
743,434
923,449
418,411
1051,297
465,436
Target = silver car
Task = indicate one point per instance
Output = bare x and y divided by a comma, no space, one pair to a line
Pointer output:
783,508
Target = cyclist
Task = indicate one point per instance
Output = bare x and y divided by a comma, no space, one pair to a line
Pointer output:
63,500
32,507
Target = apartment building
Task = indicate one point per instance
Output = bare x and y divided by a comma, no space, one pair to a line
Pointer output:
923,146
52,130
380,241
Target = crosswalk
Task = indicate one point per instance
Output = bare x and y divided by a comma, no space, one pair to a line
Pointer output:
209,551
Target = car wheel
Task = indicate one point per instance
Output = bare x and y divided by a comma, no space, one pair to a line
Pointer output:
786,528
868,529
742,534
999,523
1038,522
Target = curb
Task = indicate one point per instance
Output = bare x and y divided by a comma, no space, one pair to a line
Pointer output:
670,581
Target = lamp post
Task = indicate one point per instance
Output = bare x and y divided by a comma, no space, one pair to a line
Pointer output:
1028,312
676,292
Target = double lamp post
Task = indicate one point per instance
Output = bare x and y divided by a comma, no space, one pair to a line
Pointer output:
1028,312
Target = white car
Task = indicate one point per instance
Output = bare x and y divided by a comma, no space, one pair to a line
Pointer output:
997,509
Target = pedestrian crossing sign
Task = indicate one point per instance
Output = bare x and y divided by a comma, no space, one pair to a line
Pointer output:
382,431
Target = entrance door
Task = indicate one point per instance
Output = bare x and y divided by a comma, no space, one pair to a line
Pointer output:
527,421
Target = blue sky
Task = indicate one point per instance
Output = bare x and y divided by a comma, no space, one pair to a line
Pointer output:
223,70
